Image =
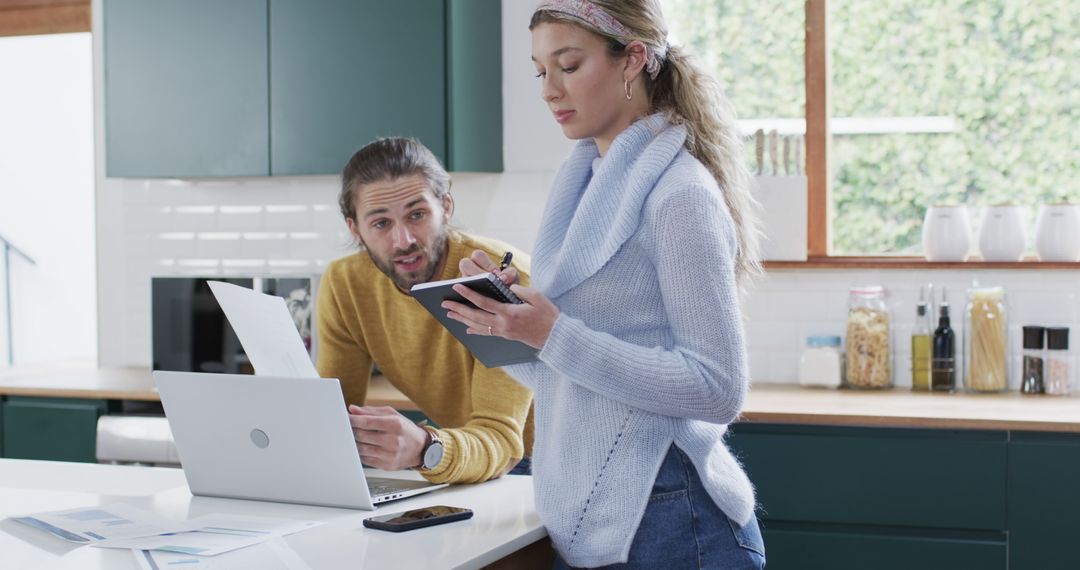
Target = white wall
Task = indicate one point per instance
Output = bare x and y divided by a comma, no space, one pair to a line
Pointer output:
532,140
156,227
47,196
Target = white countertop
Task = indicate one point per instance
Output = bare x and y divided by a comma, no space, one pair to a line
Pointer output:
505,519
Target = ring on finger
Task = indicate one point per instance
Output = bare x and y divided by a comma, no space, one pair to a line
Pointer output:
490,333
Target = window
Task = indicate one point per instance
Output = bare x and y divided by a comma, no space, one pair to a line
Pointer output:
47,199
967,102
755,50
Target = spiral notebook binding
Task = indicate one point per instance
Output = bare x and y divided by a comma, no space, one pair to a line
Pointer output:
504,291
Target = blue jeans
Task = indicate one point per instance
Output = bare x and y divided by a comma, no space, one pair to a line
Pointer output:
683,527
524,467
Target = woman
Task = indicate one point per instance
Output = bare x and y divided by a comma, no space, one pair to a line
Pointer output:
635,307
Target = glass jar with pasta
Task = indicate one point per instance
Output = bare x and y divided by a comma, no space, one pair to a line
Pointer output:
986,326
868,354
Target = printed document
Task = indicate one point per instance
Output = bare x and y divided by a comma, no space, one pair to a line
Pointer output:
94,524
266,331
274,554
214,534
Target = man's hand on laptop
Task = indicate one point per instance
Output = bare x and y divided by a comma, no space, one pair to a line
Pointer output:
386,439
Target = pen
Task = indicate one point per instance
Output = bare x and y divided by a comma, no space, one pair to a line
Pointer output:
505,260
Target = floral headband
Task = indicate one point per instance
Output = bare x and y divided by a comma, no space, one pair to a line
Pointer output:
596,17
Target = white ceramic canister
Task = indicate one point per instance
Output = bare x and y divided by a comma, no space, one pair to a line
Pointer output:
946,233
1057,232
1001,235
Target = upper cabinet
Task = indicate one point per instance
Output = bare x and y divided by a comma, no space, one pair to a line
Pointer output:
474,88
186,88
288,87
343,72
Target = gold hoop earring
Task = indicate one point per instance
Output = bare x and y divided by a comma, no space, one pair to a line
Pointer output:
629,91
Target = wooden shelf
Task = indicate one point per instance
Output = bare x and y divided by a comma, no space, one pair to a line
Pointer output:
867,262
36,17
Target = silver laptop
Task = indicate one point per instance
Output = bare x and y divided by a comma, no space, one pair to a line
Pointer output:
271,439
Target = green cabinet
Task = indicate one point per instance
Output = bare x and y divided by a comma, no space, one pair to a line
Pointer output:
830,548
854,498
51,428
1044,506
915,478
186,88
343,72
286,87
475,85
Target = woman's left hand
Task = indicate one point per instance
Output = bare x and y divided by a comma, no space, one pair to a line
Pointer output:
530,322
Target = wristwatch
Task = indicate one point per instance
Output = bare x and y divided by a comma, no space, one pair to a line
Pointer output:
433,450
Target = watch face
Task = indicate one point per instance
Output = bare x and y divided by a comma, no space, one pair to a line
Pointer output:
433,455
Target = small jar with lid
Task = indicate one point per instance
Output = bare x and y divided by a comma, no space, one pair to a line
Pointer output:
1033,369
820,364
868,340
1059,366
986,321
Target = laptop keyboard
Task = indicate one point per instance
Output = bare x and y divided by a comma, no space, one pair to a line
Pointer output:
381,486
377,490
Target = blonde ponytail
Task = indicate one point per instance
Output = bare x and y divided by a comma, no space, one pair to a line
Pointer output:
693,98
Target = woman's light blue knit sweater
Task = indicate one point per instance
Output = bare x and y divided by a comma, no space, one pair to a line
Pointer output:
639,257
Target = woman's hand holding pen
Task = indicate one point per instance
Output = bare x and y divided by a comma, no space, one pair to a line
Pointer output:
530,322
479,262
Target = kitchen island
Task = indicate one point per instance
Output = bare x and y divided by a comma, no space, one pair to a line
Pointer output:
501,533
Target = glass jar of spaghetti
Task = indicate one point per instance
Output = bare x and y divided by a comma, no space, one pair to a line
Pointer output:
986,326
868,355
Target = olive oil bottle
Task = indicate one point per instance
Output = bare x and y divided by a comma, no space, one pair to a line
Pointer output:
922,347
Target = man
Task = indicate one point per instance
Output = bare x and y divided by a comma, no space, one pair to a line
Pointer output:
396,200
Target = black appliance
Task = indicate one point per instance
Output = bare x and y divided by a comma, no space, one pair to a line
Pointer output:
191,334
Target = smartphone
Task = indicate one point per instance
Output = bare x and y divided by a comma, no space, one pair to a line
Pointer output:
418,518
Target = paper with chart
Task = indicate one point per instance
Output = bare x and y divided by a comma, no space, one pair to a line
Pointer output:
274,554
193,543
212,535
266,331
98,523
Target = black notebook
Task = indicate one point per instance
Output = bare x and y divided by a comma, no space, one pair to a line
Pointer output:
492,351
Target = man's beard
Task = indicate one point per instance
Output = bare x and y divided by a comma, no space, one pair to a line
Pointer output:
434,255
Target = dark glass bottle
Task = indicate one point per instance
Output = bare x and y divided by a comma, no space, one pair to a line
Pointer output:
943,370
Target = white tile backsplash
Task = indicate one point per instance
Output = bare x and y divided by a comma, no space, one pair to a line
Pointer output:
815,302
278,226
243,227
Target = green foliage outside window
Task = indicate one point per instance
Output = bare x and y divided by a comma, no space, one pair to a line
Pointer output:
1007,72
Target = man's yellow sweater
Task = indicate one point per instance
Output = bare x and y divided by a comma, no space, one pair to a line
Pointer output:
362,317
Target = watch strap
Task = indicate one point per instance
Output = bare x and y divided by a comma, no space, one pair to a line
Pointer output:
433,439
